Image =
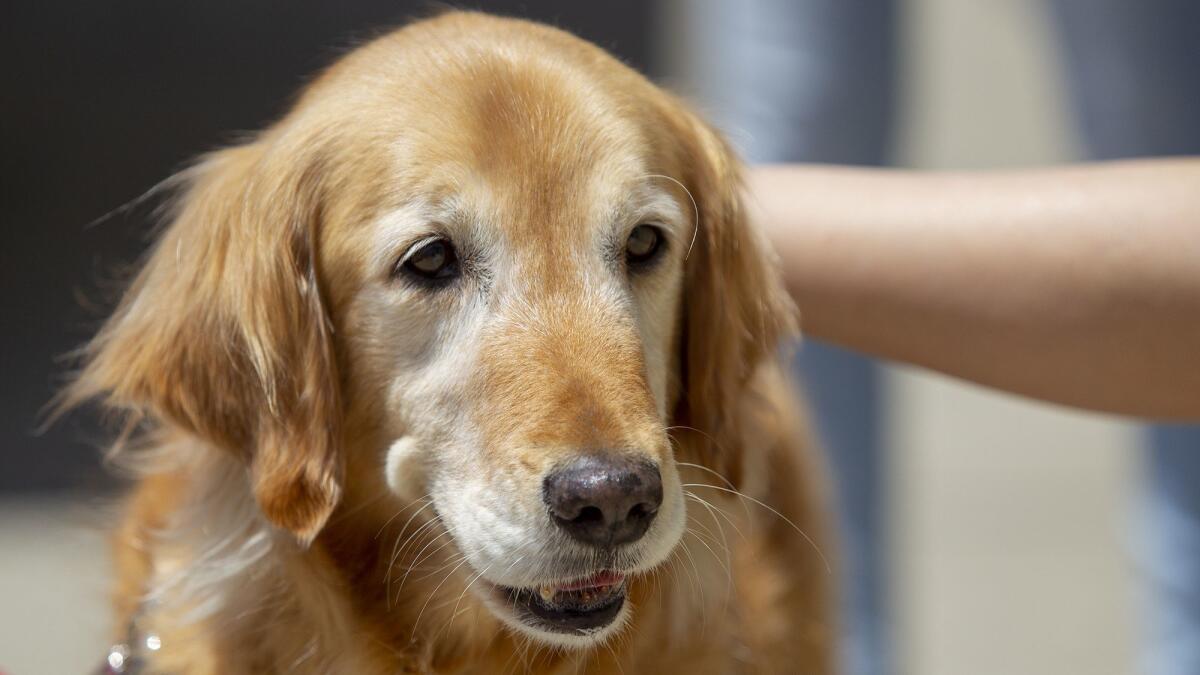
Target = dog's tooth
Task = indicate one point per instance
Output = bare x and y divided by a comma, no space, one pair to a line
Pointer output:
547,593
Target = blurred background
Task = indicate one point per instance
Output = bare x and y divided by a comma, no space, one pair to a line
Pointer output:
985,534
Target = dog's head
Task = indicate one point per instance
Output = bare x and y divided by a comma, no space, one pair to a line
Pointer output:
480,262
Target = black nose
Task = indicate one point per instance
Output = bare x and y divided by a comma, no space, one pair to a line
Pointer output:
604,500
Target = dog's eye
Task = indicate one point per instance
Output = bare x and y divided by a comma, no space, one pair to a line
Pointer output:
431,261
643,246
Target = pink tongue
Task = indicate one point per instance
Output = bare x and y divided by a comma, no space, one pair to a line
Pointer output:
605,578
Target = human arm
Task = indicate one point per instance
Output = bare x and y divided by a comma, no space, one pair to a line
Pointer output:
1078,285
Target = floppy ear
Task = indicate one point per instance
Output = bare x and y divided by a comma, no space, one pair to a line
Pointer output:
737,312
224,334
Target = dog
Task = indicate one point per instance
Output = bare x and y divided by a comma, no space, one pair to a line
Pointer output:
471,363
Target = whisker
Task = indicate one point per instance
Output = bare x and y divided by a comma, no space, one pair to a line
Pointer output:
813,544
398,549
454,612
427,499
716,511
460,558
616,658
712,537
416,564
705,468
422,528
700,593
439,569
421,613
726,564
419,557
701,467
723,562
695,209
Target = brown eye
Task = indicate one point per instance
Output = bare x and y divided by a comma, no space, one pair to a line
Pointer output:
433,261
643,246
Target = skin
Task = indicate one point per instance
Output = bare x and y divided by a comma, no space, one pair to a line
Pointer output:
1076,285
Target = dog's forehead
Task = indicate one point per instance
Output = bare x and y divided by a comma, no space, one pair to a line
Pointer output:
538,149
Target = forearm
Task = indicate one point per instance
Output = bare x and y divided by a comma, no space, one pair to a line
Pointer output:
1075,285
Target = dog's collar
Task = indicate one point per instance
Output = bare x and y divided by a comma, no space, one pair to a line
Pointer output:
129,657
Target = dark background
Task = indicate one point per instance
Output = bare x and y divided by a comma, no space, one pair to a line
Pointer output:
101,100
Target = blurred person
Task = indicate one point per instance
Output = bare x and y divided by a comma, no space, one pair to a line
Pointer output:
813,81
1134,70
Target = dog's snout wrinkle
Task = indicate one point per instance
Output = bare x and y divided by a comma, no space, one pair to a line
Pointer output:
604,500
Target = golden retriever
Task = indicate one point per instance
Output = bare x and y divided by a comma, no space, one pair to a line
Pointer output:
469,364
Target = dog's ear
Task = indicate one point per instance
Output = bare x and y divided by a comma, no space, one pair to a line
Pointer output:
224,333
737,312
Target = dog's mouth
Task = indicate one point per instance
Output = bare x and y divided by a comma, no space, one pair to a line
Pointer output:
579,606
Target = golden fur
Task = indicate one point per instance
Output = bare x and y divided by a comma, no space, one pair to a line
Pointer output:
266,536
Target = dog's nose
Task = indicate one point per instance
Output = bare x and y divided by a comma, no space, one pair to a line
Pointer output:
604,500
